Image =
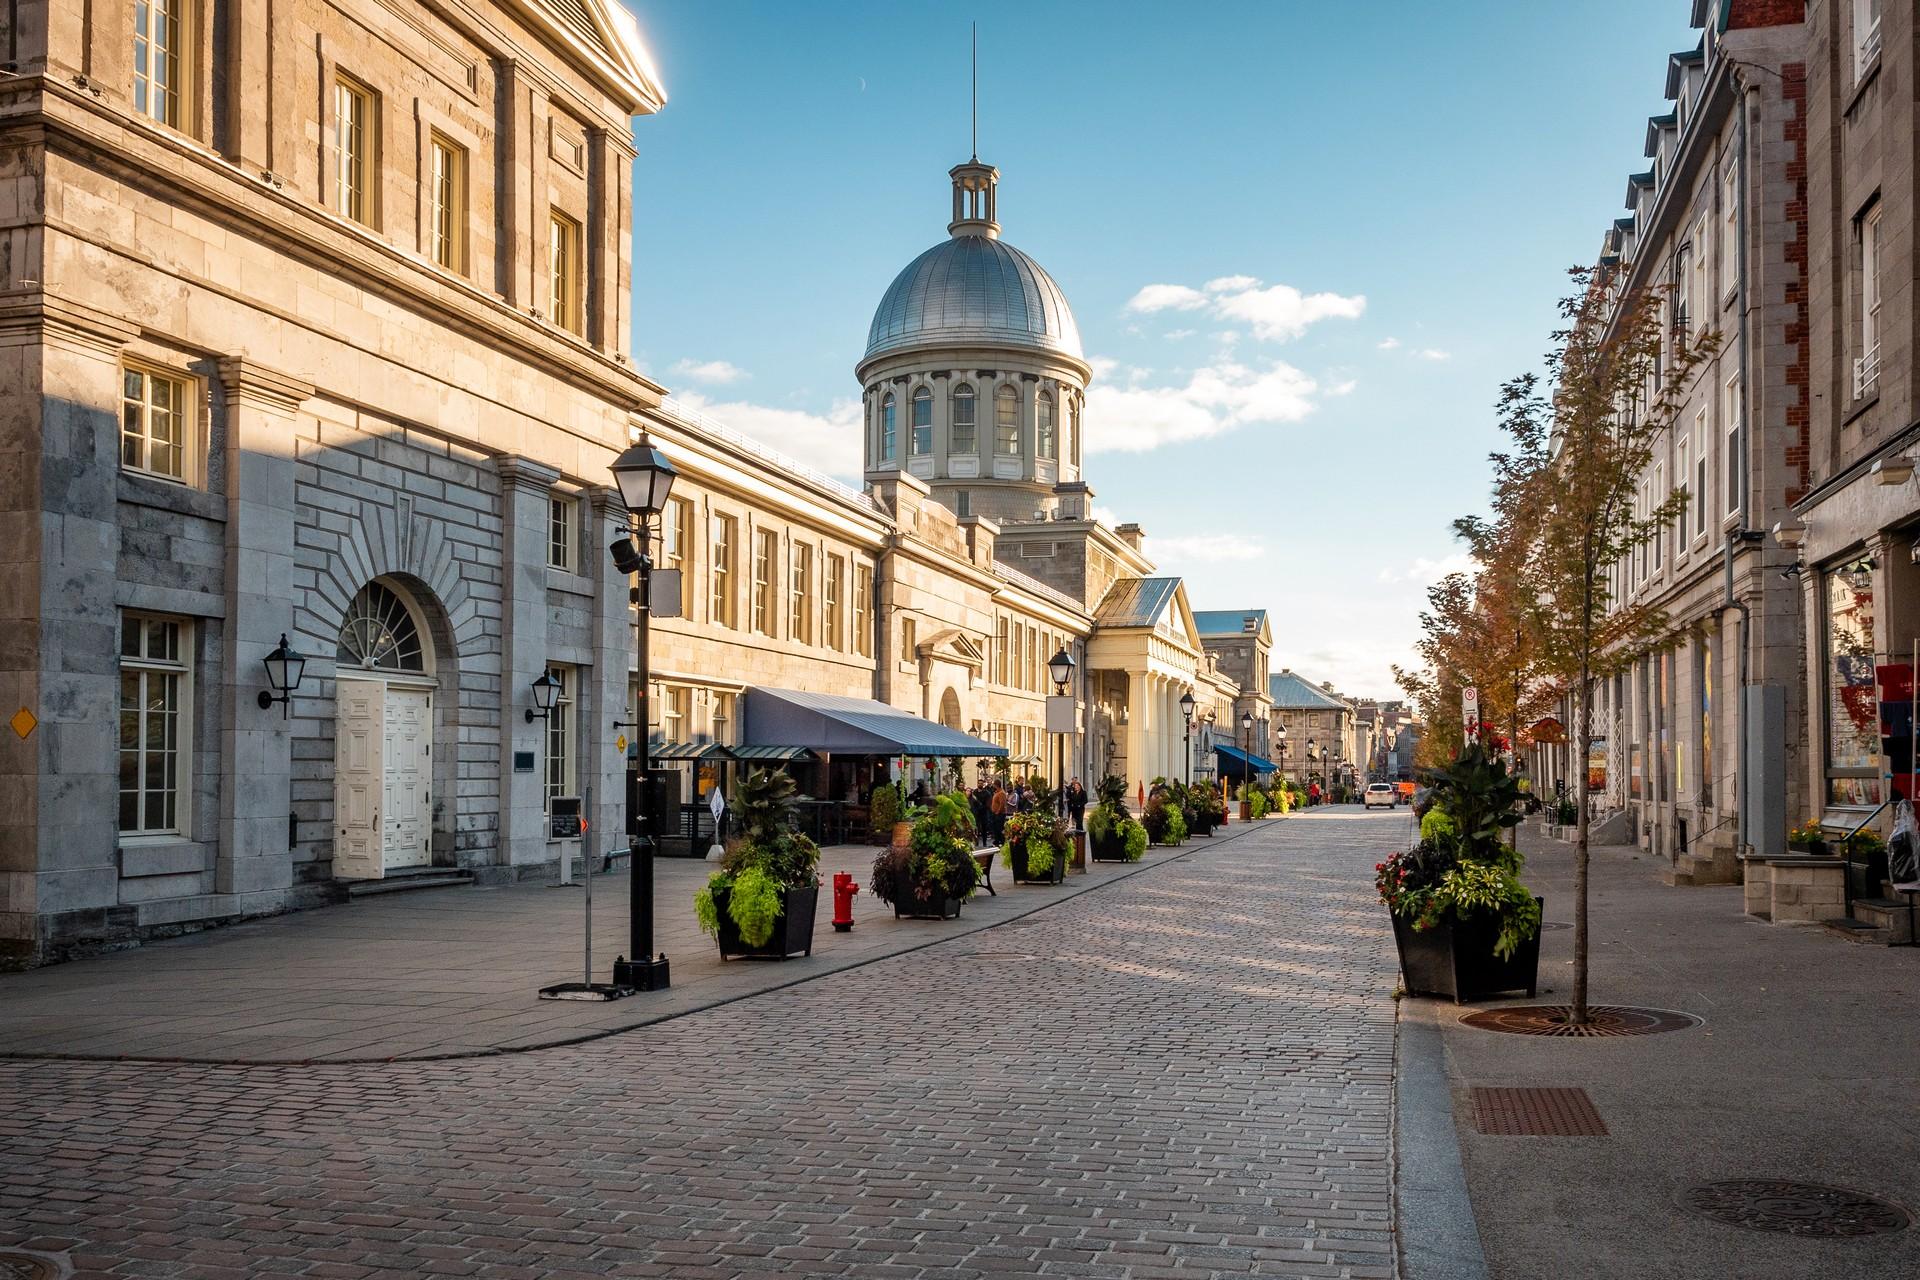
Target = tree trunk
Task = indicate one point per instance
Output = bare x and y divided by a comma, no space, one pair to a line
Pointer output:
1577,1015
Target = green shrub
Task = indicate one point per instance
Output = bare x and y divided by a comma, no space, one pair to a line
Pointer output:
764,860
1136,837
1256,802
1176,826
883,811
1043,836
936,863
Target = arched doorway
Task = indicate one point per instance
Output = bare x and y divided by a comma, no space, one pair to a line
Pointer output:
950,709
383,735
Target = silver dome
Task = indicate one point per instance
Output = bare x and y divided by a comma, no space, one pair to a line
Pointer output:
973,290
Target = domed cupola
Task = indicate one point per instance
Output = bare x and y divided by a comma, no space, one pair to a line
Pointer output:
974,375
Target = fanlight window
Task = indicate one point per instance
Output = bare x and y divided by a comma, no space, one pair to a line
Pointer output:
380,632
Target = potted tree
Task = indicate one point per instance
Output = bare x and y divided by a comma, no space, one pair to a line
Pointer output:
934,872
883,815
1112,833
1464,924
762,900
1203,810
1037,848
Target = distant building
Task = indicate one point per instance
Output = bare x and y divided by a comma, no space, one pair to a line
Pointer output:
1319,742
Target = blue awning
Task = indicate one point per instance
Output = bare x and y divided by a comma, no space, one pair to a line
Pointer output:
851,726
1243,758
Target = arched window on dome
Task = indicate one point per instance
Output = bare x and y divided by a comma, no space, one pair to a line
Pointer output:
1006,421
921,443
888,428
1043,419
966,435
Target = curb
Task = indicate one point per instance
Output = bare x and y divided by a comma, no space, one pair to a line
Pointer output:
1435,1234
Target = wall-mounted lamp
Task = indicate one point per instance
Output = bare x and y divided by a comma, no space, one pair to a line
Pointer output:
1891,471
285,667
1790,533
546,691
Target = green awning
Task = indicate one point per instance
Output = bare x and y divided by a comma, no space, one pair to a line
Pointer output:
769,753
688,751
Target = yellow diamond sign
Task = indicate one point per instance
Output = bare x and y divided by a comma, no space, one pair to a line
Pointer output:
620,744
23,722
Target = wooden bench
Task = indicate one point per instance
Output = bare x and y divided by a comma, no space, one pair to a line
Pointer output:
985,857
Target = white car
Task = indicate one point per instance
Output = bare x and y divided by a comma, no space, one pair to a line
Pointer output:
1381,793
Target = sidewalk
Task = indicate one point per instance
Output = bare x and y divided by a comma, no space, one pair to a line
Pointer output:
1807,1067
453,972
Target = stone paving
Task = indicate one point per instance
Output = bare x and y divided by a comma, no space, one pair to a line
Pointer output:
1185,1073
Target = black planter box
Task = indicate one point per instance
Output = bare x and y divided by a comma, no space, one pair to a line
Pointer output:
932,907
792,928
1201,825
1054,875
1455,958
1817,848
1112,849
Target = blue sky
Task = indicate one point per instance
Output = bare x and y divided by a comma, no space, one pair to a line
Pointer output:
1304,242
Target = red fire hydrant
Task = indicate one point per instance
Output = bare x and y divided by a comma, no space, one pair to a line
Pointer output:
843,890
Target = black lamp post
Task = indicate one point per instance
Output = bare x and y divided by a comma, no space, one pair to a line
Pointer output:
1186,710
645,477
1246,733
1060,667
1280,736
546,691
285,667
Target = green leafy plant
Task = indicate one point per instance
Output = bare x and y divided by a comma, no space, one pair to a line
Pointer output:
937,863
1111,792
1136,838
883,810
1256,802
1809,833
765,858
1043,837
1865,844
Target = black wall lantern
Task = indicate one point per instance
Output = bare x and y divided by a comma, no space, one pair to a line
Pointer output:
546,691
285,667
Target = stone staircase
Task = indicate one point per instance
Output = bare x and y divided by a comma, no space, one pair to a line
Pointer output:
1884,921
411,879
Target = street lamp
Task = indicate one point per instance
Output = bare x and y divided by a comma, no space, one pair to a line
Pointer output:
1060,667
285,667
645,478
1186,711
1280,738
546,691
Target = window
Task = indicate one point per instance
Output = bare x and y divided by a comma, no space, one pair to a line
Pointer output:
1006,421
1677,300
352,136
888,428
1866,364
446,203
560,736
1073,430
379,633
1866,36
830,602
1682,472
922,442
156,60
674,701
563,532
1655,497
154,411
1699,291
563,255
963,503
765,547
862,594
675,519
1700,490
724,723
1043,416
800,593
720,603
1853,720
1730,459
1729,229
153,695
966,436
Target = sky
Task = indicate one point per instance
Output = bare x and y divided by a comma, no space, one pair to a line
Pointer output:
1305,243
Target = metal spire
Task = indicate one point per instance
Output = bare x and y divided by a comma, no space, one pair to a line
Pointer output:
976,90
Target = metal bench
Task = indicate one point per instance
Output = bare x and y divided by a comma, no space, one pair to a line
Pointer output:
985,857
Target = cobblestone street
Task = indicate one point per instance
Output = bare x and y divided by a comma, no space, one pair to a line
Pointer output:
1187,1073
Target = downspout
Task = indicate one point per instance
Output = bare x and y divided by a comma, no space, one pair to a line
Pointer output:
1740,773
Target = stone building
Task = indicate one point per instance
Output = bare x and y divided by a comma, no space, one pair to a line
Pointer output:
1241,640
1314,730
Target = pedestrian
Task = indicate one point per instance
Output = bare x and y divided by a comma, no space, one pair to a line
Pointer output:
997,806
1077,804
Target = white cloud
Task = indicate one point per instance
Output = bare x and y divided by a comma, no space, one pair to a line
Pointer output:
1165,297
1388,344
713,372
1275,313
1129,416
1425,572
1432,353
828,442
1173,335
1207,548
1107,516
1342,388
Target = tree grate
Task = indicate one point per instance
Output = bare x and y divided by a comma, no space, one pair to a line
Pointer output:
1795,1208
1536,1113
1602,1021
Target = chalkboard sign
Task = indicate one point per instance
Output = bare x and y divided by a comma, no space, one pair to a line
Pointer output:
563,818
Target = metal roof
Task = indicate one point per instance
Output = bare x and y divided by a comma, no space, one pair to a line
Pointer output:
1135,602
1228,622
971,290
1291,692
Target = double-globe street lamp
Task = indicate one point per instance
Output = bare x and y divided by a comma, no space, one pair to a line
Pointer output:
1060,667
644,477
1186,710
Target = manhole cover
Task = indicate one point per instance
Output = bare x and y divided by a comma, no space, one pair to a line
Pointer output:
1795,1208
24,1266
1603,1020
1537,1113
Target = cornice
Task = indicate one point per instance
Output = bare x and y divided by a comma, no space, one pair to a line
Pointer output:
36,316
517,472
250,382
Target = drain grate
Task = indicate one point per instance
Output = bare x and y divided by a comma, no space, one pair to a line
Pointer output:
1795,1208
1537,1113
1603,1020
25,1266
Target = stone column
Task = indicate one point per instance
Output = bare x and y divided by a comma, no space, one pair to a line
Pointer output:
602,248
254,861
604,693
525,490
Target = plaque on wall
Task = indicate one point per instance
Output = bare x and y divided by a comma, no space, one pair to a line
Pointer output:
523,762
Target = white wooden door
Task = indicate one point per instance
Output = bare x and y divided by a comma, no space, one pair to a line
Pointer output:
407,794
357,741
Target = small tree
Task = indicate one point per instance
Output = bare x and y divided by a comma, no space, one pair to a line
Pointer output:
1580,452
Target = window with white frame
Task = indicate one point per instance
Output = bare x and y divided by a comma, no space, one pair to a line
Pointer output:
1866,364
862,594
1682,472
1704,447
563,533
766,545
1006,421
1730,437
1043,417
675,519
830,587
1655,496
156,411
1729,229
889,427
965,436
720,605
560,726
564,260
921,441
353,135
156,59
1699,289
1866,36
155,674
800,593
446,203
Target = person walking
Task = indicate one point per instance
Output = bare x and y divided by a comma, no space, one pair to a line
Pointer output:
1077,804
998,807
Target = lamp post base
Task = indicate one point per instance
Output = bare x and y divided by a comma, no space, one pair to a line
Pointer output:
642,975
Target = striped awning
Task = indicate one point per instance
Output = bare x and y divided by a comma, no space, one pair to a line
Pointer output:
769,753
688,751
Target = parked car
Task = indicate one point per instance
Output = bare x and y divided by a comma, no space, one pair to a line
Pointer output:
1382,794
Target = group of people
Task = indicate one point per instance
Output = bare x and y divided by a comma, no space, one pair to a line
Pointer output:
992,802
